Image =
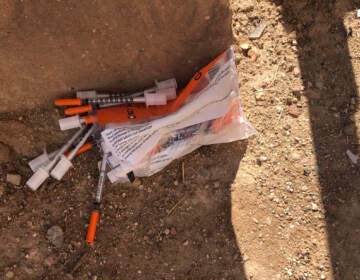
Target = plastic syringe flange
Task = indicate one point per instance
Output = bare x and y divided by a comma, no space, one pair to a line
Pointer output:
170,83
61,168
155,99
70,122
37,179
170,93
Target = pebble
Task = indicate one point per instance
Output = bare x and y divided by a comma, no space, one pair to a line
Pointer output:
293,111
322,277
314,207
253,53
295,156
4,153
304,188
167,231
245,46
259,95
185,243
14,179
263,158
296,71
307,171
55,235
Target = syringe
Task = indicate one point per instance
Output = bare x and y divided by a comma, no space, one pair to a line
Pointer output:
42,173
139,112
65,161
94,217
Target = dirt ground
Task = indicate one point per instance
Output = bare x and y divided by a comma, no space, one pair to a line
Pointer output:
49,49
282,205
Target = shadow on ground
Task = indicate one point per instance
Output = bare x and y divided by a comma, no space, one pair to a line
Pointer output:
165,228
330,87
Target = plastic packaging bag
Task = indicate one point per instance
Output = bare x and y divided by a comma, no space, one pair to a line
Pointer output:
211,114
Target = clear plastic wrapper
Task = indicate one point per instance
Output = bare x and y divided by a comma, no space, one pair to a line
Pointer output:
212,114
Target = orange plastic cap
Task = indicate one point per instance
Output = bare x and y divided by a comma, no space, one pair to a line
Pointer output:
94,218
68,102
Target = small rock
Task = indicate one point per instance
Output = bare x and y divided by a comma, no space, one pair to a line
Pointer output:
245,46
185,243
259,95
253,53
350,129
304,188
296,71
55,235
263,158
123,195
176,183
167,231
9,274
293,111
314,207
287,127
14,179
295,156
307,171
4,153
322,277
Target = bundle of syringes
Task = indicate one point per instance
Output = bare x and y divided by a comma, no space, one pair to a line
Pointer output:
140,133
